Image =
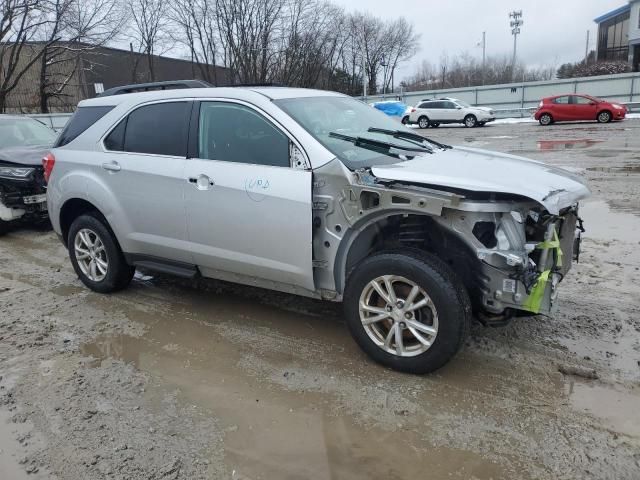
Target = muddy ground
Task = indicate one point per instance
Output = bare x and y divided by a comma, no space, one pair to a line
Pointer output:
189,380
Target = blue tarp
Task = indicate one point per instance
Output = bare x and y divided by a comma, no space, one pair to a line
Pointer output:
393,109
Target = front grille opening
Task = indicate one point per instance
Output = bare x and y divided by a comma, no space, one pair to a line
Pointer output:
485,232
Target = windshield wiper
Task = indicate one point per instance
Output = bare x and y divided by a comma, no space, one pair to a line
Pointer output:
377,145
408,136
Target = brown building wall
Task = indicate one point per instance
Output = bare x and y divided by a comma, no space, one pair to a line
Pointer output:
79,72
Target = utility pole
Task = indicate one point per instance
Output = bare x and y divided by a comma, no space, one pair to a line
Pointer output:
364,79
515,23
484,53
586,50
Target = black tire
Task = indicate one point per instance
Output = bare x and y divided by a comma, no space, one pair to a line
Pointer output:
545,119
405,119
470,121
423,121
449,297
604,116
119,273
434,124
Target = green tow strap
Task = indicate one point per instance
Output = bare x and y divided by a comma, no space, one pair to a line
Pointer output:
533,302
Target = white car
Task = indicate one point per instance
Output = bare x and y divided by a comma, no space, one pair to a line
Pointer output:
431,113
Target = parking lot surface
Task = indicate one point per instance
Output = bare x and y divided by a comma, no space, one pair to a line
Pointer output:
203,379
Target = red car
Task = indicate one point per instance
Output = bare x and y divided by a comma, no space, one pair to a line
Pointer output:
563,108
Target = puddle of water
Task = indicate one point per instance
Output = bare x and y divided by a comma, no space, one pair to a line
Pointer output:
633,168
603,223
616,408
566,144
276,432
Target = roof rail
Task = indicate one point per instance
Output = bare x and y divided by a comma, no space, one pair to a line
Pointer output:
145,87
265,84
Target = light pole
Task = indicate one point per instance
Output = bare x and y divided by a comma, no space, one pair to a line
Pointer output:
384,65
483,44
515,23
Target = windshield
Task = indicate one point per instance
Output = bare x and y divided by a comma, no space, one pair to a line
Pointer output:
24,132
463,104
321,116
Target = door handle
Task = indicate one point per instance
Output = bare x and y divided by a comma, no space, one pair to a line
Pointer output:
111,166
202,182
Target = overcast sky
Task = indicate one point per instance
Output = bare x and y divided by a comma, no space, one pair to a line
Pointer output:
554,31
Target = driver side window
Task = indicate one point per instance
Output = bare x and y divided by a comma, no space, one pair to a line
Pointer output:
236,133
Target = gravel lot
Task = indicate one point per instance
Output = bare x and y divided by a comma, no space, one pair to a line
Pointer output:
189,380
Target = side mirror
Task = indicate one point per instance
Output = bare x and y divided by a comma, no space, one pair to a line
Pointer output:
592,103
458,107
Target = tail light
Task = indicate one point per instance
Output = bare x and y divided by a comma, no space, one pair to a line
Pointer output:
47,163
413,110
540,104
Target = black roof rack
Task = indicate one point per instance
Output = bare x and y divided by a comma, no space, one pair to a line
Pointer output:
267,84
145,87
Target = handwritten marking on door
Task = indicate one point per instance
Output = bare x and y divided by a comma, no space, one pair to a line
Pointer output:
256,188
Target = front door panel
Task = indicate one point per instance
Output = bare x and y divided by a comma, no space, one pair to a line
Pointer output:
251,220
248,211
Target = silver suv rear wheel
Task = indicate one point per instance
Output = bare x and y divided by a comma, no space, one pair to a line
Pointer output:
91,255
95,254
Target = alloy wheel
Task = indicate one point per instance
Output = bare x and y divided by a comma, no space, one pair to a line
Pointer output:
91,255
398,315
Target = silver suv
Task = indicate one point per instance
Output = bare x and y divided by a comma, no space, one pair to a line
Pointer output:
432,113
317,194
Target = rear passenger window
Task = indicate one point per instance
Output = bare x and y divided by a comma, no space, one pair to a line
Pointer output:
235,133
115,140
561,100
79,122
159,129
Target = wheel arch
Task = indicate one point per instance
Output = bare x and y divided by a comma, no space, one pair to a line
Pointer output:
72,209
371,235
607,110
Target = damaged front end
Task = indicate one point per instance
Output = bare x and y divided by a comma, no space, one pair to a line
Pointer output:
523,254
22,192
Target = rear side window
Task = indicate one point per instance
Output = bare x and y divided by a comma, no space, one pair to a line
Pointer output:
561,100
159,129
79,122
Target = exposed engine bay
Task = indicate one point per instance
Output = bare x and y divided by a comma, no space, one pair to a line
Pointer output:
509,251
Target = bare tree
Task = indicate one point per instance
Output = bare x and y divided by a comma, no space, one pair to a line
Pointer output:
464,70
149,30
19,21
196,29
73,27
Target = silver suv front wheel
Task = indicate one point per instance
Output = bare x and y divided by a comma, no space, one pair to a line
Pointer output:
398,315
407,310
